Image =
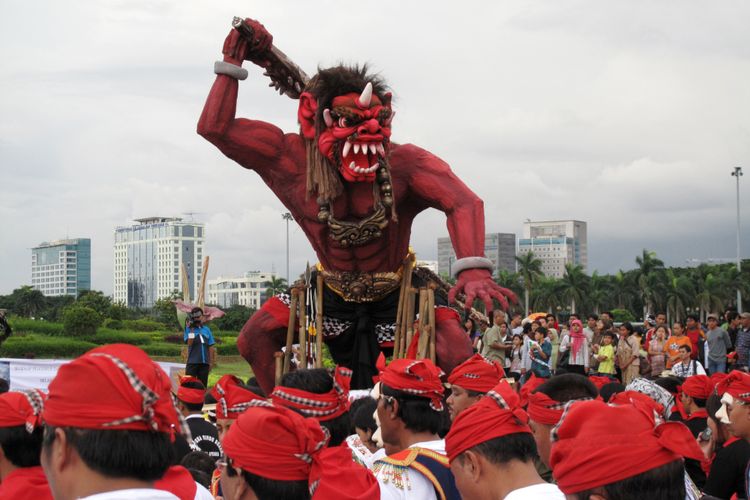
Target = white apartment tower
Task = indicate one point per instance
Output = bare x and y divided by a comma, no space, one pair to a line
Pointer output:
556,243
61,267
248,290
149,256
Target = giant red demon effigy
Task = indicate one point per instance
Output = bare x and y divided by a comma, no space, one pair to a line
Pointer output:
355,194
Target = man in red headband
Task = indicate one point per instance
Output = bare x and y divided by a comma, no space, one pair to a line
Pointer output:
316,393
190,397
471,380
694,393
21,476
275,453
735,397
109,426
232,398
411,414
492,451
547,402
646,459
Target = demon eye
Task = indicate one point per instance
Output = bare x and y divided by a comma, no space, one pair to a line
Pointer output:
343,122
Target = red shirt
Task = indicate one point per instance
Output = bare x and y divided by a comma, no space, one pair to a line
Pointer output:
695,337
26,483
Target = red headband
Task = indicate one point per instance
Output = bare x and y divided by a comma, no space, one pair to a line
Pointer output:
545,410
495,415
737,384
231,397
698,386
113,387
600,381
279,444
628,397
477,374
323,407
191,395
418,377
532,383
586,438
22,408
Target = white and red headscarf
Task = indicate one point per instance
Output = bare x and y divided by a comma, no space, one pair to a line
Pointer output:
232,397
577,337
477,374
19,408
418,377
323,407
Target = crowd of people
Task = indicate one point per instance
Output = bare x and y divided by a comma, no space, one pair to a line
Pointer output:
528,417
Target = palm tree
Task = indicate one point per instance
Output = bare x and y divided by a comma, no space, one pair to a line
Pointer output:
712,294
546,295
275,286
530,270
599,291
649,278
678,294
574,285
623,288
734,280
509,280
28,301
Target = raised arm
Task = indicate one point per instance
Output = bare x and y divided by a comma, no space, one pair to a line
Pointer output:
433,182
253,144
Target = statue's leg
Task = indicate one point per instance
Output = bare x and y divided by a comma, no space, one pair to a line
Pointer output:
452,345
262,336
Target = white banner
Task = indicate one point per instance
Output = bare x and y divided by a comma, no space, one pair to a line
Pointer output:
38,373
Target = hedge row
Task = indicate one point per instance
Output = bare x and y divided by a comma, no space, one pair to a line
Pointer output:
33,346
107,336
35,326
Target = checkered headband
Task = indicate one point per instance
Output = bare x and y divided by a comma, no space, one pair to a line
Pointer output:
323,407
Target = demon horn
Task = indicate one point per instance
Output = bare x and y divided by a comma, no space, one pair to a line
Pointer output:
366,96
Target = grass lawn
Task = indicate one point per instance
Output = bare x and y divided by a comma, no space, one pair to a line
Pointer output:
235,365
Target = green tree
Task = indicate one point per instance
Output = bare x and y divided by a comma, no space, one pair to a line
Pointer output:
599,292
27,301
275,285
623,288
649,278
96,300
234,318
546,294
678,294
511,281
530,271
164,311
574,285
80,321
712,294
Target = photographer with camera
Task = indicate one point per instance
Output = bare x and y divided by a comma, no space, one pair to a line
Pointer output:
201,353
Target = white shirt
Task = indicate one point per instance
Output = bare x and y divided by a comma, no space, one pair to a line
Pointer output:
692,368
133,494
544,491
413,484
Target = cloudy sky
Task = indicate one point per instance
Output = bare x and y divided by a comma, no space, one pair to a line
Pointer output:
627,115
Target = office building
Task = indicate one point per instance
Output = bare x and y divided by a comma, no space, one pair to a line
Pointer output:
248,290
61,267
500,248
556,243
149,256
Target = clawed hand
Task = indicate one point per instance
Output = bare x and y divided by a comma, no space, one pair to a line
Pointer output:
478,283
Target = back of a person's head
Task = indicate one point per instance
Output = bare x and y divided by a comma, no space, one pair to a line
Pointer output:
199,460
609,390
320,381
20,447
662,483
568,387
193,407
502,450
362,414
417,413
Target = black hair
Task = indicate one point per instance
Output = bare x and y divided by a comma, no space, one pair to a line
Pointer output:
608,313
593,316
254,385
501,450
732,315
678,322
700,403
542,330
628,326
199,460
118,453
320,381
21,447
193,384
4,386
567,387
526,328
609,390
416,412
200,477
609,333
670,383
362,414
273,489
686,347
692,316
662,483
660,313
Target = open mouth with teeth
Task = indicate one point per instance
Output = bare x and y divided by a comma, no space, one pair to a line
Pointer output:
361,158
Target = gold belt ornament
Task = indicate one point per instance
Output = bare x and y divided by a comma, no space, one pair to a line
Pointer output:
360,286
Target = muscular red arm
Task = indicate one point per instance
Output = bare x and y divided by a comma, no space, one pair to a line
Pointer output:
432,181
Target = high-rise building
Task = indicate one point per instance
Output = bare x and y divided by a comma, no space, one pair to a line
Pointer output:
247,290
500,248
61,267
556,243
149,256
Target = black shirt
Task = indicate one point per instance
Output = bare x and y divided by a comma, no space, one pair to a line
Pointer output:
205,436
727,475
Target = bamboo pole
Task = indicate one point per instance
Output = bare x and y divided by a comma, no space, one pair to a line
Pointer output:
303,327
399,314
404,325
185,284
202,285
424,341
319,322
278,359
290,330
409,317
433,325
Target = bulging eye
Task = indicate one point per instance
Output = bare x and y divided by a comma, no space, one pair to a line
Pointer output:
343,122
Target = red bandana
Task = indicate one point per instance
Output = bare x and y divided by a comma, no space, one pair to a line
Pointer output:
545,410
232,398
418,377
737,384
526,389
113,387
279,444
323,407
178,481
477,374
592,433
22,408
600,381
496,415
190,394
698,386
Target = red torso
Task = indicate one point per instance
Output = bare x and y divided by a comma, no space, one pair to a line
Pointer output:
26,483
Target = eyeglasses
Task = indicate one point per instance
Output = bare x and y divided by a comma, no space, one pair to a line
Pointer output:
224,462
388,399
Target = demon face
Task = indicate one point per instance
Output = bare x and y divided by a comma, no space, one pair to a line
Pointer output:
355,135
